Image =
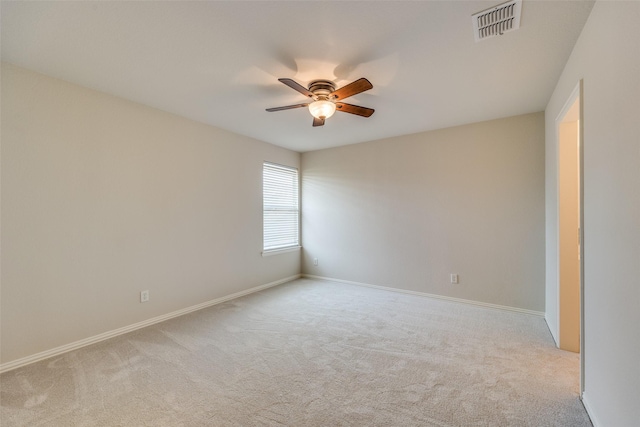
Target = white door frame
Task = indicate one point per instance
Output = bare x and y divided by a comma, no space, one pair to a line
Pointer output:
576,94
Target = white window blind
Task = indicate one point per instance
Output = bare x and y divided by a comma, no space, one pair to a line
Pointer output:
280,207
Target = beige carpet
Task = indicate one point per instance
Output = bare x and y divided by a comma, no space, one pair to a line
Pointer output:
310,353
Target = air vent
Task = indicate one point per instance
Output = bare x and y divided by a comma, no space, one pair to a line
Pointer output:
497,20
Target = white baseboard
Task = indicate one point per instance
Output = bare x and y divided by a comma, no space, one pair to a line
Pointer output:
589,409
14,364
551,331
424,294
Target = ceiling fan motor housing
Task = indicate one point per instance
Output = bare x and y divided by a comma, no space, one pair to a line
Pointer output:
322,88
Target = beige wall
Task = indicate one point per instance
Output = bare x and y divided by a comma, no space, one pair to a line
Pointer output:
103,198
406,212
607,58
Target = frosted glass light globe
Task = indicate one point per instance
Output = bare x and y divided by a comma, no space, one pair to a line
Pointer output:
322,109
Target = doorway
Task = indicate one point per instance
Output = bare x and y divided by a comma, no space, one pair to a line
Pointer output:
569,125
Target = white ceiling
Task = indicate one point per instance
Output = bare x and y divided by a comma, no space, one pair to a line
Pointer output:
218,62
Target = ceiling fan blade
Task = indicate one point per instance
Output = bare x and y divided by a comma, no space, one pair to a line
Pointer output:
296,86
351,89
354,109
318,122
286,107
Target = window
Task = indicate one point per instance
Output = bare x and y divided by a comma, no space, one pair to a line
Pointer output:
280,207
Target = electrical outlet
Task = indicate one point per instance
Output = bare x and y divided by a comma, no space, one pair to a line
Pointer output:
315,261
144,296
454,279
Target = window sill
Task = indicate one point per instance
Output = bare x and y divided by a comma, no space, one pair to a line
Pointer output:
281,250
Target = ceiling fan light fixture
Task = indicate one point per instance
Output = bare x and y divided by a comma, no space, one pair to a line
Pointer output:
326,99
322,109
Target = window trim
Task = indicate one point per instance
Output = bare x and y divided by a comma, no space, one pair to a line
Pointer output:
270,252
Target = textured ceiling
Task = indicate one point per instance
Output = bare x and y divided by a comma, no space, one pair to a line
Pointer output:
218,62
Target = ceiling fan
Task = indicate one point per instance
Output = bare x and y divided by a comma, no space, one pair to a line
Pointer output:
325,96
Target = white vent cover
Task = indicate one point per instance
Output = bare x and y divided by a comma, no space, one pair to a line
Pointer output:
497,20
